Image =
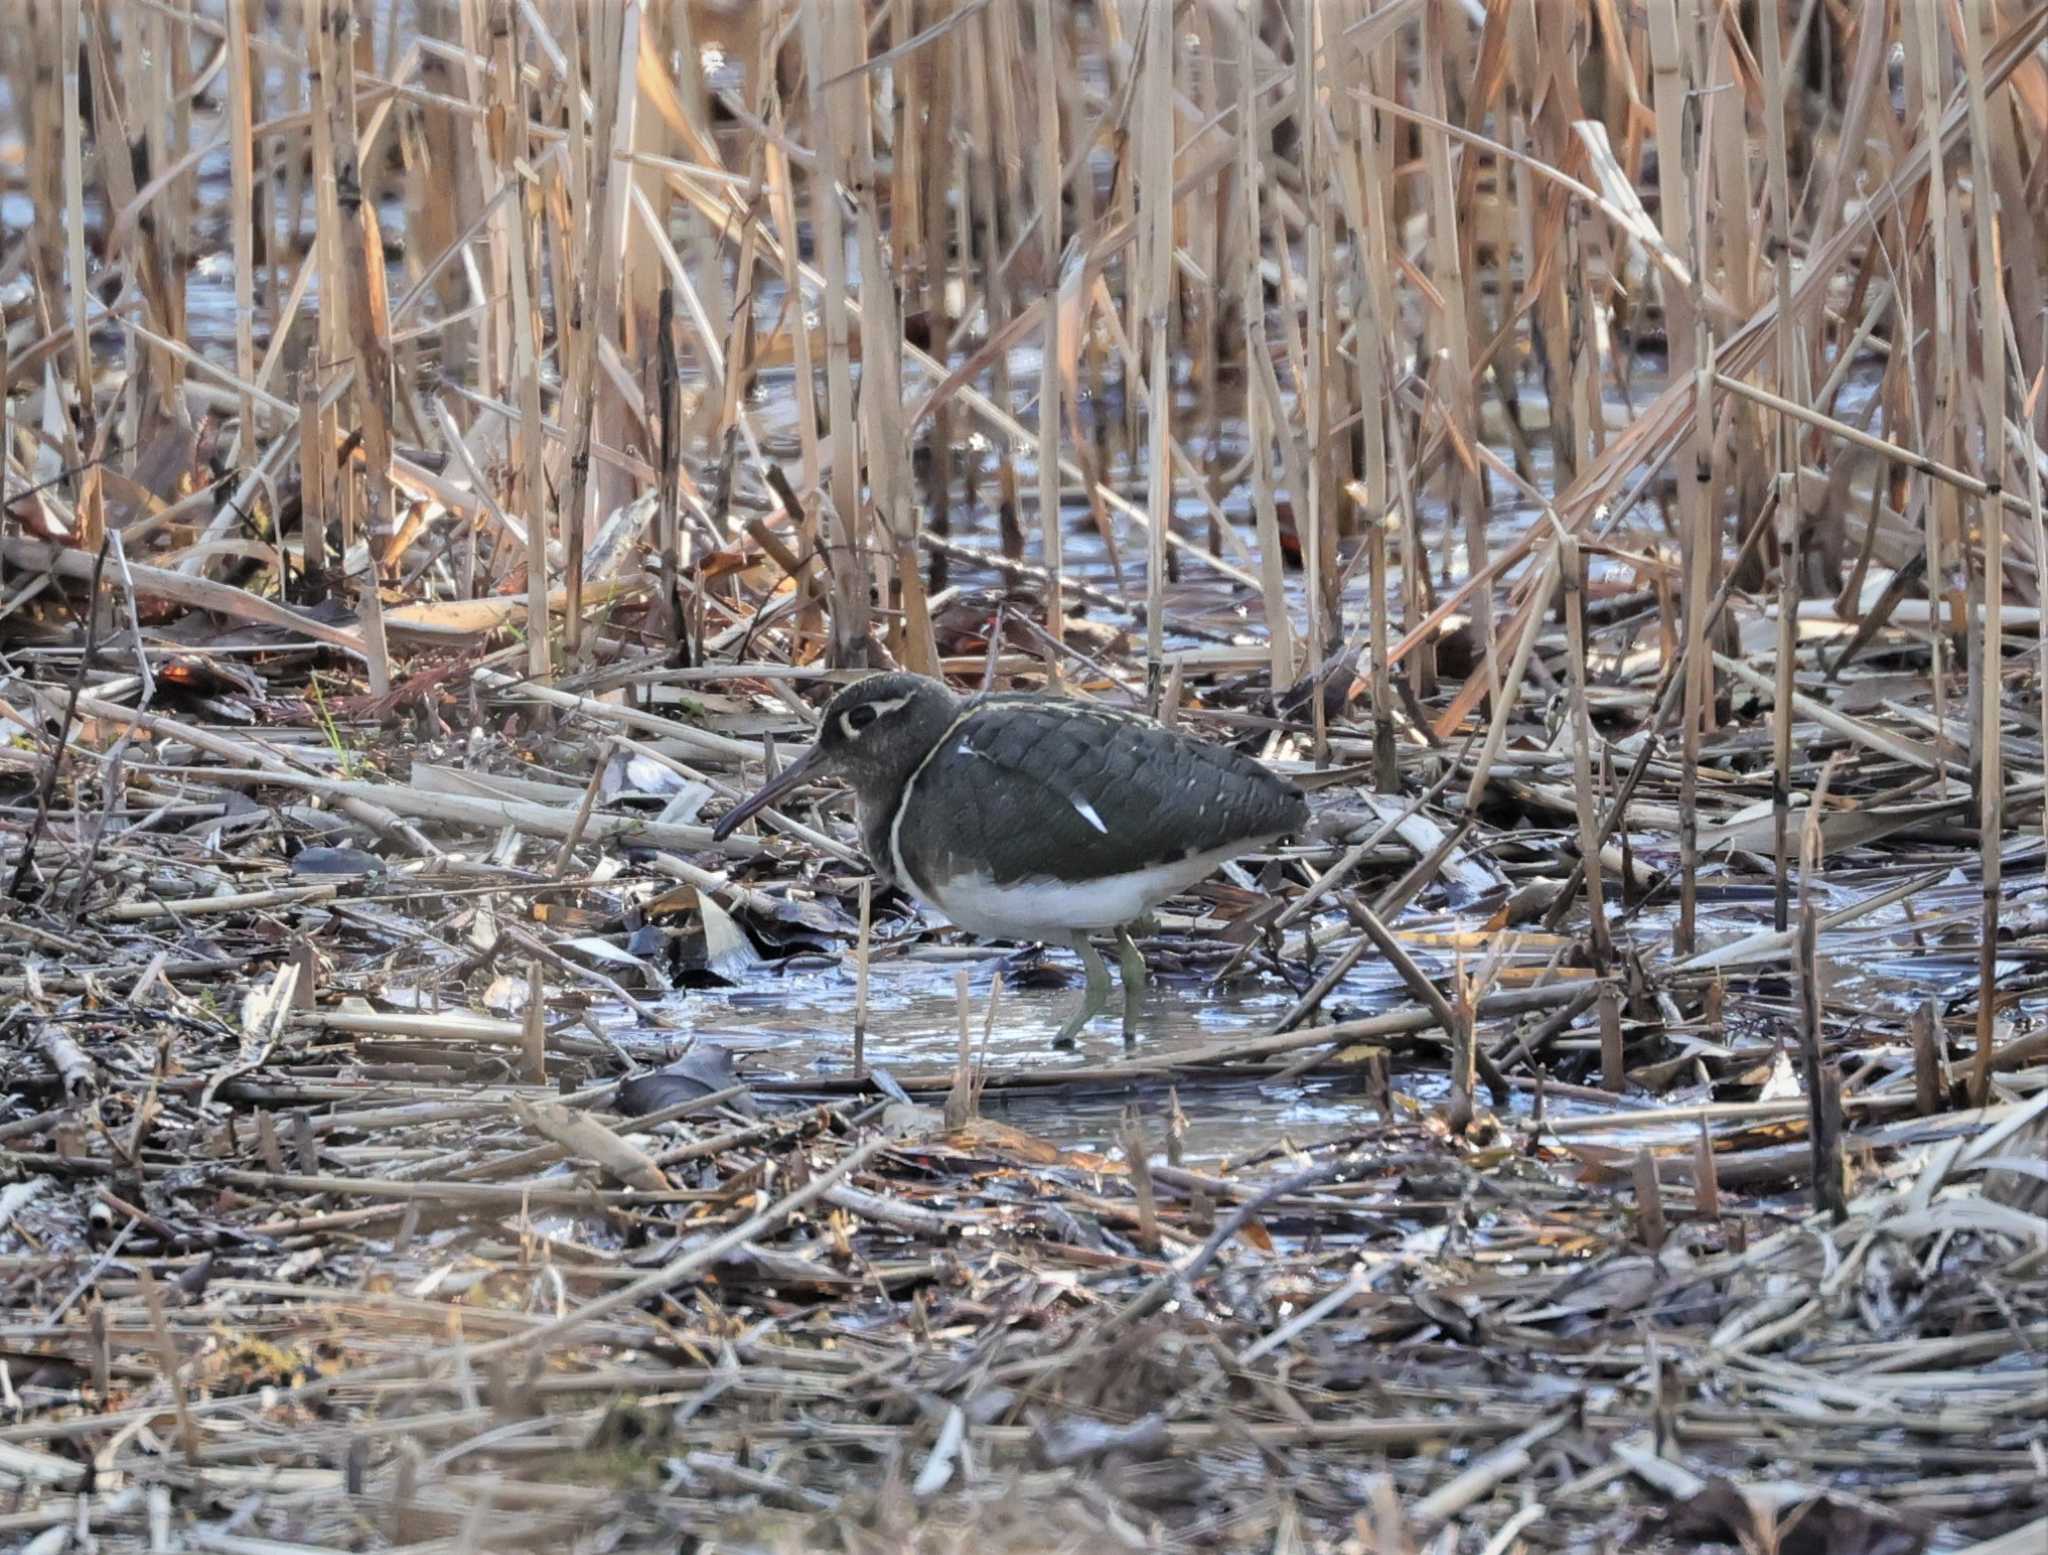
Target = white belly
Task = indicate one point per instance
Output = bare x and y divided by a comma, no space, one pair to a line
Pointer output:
1053,909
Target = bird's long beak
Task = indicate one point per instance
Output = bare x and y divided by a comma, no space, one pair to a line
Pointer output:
793,777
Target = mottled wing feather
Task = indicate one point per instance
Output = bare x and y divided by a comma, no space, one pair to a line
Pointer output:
1033,789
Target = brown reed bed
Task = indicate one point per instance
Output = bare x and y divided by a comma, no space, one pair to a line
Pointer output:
1597,446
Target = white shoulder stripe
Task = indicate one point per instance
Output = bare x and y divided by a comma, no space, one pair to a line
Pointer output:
902,871
1088,814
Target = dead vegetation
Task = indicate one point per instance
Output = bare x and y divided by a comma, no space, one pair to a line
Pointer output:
444,442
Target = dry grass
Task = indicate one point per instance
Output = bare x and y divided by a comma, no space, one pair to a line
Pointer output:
1606,437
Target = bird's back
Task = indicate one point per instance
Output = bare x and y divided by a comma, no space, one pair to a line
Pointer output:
1026,789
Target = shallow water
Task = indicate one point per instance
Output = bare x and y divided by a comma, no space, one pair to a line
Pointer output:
793,1021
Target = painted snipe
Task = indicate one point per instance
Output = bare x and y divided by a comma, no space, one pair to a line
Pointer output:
1035,818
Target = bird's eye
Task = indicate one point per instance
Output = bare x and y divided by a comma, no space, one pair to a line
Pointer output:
860,717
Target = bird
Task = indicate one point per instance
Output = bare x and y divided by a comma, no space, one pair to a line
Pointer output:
1034,818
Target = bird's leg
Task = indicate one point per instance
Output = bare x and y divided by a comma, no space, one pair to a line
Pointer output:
1094,1000
1131,965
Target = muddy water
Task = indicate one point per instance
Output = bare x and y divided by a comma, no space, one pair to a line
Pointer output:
794,1020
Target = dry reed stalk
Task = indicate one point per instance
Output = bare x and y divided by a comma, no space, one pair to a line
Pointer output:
1923,61
995,175
315,444
740,357
38,83
518,228
589,176
885,455
1386,760
619,248
1382,196
1987,763
782,211
1263,407
1674,70
2031,461
668,479
241,68
1312,502
564,201
1360,184
171,146
144,238
1151,301
354,250
1786,447
934,212
6,411
323,256
533,1033
862,959
1823,1083
1572,575
1465,485
657,127
1546,236
88,503
1051,185
831,111
481,194
1206,228
907,79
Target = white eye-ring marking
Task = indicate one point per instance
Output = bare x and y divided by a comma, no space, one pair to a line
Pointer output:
856,719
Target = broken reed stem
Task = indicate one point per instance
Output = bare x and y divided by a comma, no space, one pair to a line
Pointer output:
1706,1176
1823,1081
1138,1157
533,1028
1386,758
566,854
861,954
1929,1091
1613,1047
1464,1051
1650,1222
173,1366
960,1099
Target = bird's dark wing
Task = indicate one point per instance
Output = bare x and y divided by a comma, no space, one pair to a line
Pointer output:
1027,789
